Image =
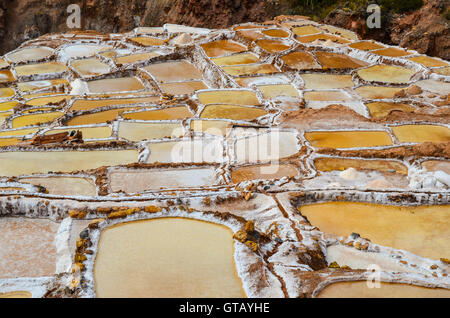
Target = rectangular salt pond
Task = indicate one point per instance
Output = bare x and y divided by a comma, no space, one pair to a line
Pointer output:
27,247
83,104
171,113
422,230
42,68
170,257
136,181
348,139
341,164
18,163
235,97
136,131
72,186
327,81
112,85
421,133
174,71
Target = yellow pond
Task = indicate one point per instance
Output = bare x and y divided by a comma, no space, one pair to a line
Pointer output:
21,163
366,46
235,112
83,104
387,290
17,294
174,71
348,139
422,230
35,119
377,92
142,131
42,68
237,59
428,61
277,33
237,97
251,69
273,91
147,41
222,47
257,172
380,110
421,133
272,46
97,118
301,61
169,257
338,61
387,74
336,164
182,88
160,114
35,85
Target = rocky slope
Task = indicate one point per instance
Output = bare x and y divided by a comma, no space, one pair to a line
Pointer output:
425,30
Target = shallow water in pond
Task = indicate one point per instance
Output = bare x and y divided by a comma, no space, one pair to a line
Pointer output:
17,294
236,97
428,61
35,119
327,81
6,92
422,230
222,47
387,74
306,30
135,58
381,109
421,133
257,172
182,88
377,92
18,163
160,114
273,91
235,112
237,59
135,181
437,165
277,33
212,127
88,132
30,54
142,131
326,96
387,290
174,71
90,67
83,104
340,164
348,139
65,185
6,76
97,118
27,247
392,52
272,46
35,85
366,46
41,101
167,257
251,69
301,61
83,50
147,41
338,61
42,68
111,85
322,38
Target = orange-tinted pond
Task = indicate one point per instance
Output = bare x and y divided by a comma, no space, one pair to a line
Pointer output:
170,257
422,230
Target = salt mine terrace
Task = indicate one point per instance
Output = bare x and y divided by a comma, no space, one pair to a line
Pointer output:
276,159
